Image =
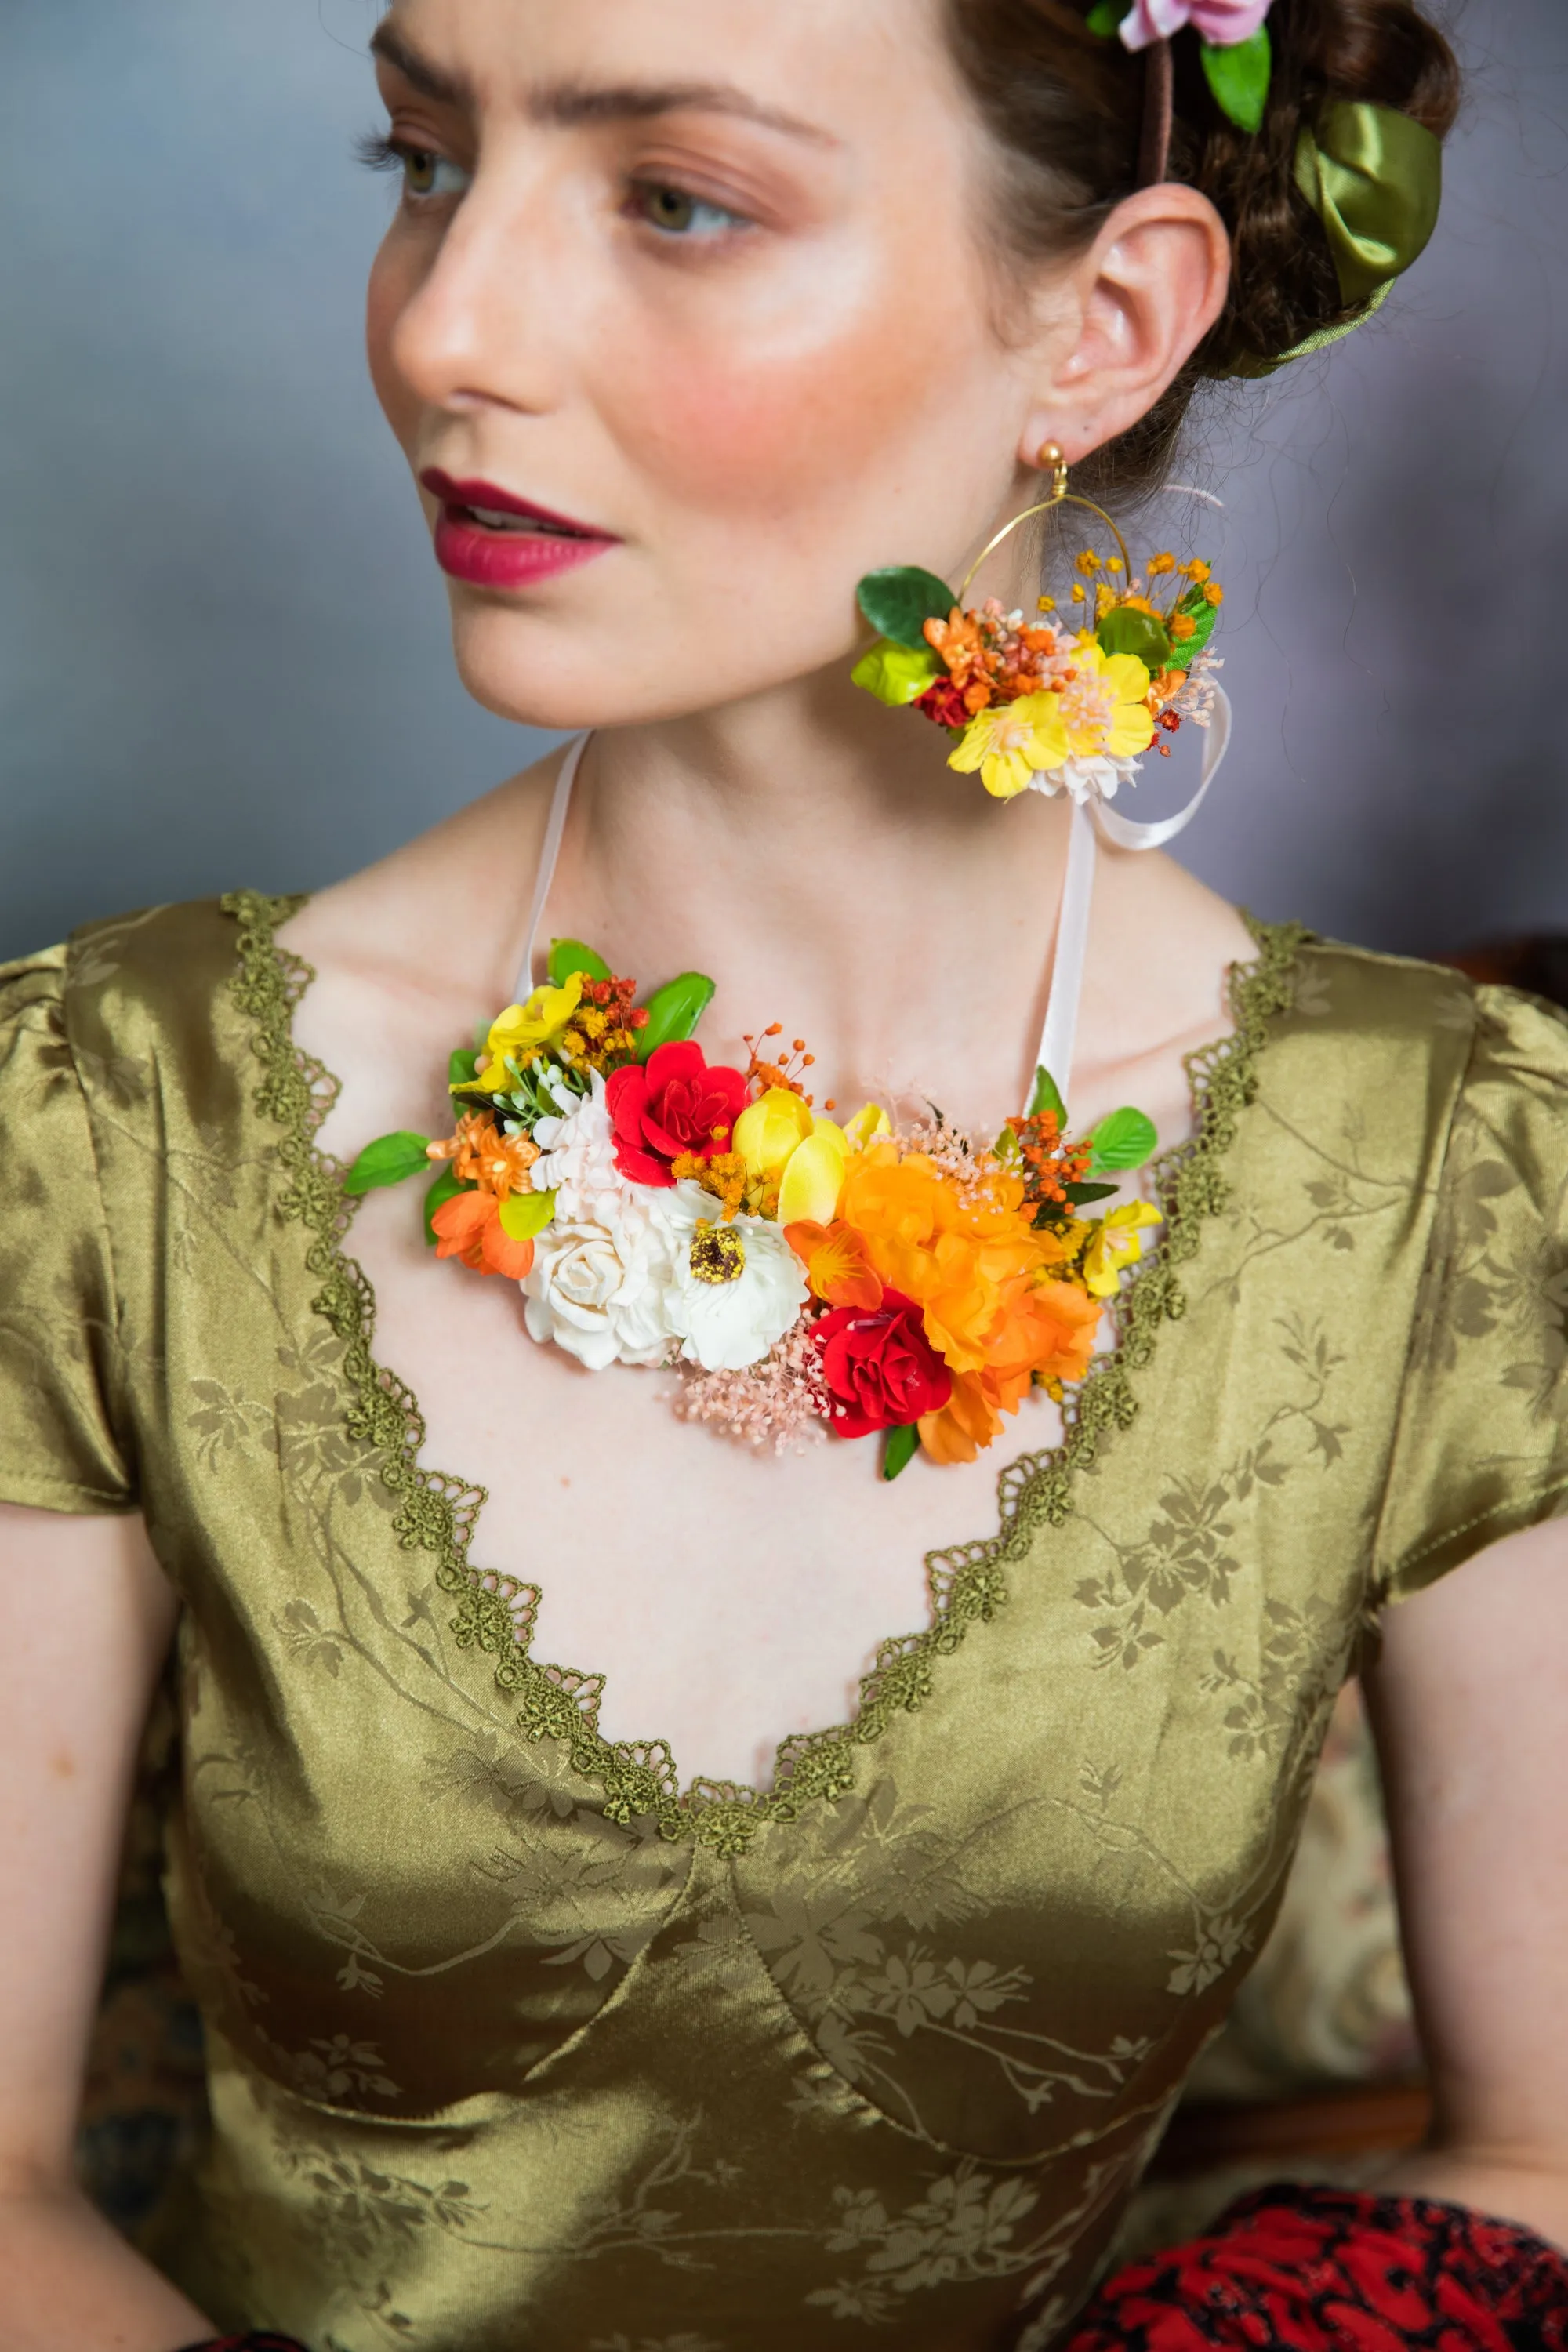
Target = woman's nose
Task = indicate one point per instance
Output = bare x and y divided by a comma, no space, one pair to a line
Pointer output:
486,325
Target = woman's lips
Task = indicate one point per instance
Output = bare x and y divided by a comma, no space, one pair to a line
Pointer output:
492,539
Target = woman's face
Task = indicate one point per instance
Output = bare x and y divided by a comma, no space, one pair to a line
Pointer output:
701,279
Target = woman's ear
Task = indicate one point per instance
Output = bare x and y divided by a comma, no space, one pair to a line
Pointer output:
1138,305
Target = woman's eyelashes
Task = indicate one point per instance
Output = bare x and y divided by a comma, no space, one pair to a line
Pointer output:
674,214
426,175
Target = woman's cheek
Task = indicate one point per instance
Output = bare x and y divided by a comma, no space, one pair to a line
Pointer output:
773,433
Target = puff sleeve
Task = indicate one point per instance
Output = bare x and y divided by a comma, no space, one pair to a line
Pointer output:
1481,1443
60,1359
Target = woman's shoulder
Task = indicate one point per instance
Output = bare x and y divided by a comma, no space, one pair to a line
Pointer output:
1380,1015
127,985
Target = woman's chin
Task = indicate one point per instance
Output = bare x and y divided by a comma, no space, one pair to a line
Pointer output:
567,684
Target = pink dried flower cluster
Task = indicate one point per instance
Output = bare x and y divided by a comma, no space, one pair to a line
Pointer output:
966,1165
774,1406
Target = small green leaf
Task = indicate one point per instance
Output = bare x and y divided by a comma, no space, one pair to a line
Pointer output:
902,1446
462,1069
896,674
1126,631
525,1214
1105,17
567,955
899,601
1080,1195
674,1011
1008,1148
446,1188
1239,76
1047,1096
1125,1139
388,1161
1185,651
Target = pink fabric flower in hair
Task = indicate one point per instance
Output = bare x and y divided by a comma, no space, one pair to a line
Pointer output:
1222,22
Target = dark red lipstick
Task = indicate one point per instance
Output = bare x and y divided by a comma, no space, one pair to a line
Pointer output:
492,539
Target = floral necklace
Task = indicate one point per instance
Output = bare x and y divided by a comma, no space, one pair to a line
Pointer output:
806,1277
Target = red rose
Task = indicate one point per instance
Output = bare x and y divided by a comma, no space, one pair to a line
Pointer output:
882,1372
674,1104
944,703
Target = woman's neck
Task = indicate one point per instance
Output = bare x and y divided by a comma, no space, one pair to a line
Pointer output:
815,853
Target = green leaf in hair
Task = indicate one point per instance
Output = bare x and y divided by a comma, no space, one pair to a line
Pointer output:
901,1447
1239,78
388,1161
899,601
1125,1139
1105,17
567,955
674,1011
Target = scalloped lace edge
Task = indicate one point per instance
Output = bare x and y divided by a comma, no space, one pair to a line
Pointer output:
439,1514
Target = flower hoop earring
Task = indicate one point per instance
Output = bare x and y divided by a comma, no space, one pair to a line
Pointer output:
1064,701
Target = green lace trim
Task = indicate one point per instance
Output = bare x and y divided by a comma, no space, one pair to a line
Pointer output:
496,1613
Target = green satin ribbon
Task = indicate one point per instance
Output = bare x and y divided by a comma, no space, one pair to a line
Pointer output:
1374,179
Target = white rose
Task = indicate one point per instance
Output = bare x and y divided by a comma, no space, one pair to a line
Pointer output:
732,1291
599,1293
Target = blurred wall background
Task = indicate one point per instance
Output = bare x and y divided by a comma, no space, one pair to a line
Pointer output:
198,687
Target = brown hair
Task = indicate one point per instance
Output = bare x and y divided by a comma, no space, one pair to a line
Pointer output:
1066,110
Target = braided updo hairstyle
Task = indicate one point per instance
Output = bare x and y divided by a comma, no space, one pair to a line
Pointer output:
1066,108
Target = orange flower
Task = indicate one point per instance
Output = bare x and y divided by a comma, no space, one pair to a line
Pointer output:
1059,1329
836,1264
482,1155
958,642
973,1261
468,1226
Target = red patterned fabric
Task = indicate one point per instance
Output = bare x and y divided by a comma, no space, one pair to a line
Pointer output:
257,2343
1333,2270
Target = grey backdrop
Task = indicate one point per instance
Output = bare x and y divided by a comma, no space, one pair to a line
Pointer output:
200,686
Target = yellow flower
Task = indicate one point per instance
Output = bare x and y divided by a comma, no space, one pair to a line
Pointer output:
524,1029
770,1129
869,1121
1011,740
1116,1241
1104,711
814,1177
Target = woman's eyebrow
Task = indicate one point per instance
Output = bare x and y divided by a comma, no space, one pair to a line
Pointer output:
569,104
444,89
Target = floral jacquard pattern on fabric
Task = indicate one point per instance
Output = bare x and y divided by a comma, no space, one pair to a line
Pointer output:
507,2043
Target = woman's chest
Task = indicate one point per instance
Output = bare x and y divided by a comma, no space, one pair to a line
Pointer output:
729,1596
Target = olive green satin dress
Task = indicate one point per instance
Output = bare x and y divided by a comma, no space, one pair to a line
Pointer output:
515,2049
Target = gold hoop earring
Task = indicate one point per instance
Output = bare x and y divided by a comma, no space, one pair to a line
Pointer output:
1048,704
1050,459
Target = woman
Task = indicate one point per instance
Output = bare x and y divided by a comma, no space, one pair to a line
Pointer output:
519,2032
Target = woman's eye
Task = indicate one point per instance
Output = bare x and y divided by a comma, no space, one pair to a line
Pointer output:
425,174
676,213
